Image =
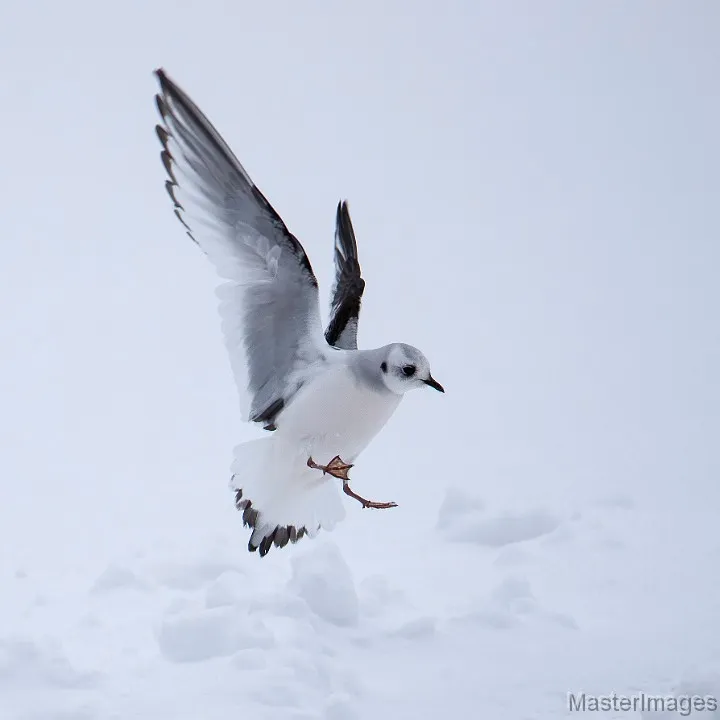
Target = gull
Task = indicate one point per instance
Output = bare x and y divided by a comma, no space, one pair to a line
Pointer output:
320,399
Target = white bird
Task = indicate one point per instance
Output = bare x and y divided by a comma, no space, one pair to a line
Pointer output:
322,399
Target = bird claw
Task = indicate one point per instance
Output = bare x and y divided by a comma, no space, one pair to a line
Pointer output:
339,468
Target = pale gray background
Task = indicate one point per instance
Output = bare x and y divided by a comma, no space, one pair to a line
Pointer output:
535,187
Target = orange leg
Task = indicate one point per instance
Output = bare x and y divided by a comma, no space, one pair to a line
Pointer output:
339,468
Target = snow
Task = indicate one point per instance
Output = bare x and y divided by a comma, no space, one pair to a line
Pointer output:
461,518
455,625
556,530
323,580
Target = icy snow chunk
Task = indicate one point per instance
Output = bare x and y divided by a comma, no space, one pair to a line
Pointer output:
563,535
280,605
417,629
26,661
458,504
309,670
622,502
496,619
227,590
180,605
377,595
280,695
116,577
323,580
339,707
194,575
216,632
512,556
250,659
562,619
512,603
463,517
503,530
513,594
513,528
81,713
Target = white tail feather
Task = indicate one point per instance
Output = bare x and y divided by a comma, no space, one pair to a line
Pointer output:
283,493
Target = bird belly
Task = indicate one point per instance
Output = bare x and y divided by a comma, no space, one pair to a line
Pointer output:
334,415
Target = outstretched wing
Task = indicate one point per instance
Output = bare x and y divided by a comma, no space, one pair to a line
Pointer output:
349,285
269,307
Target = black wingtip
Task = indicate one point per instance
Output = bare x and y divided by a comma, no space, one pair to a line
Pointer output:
279,537
345,228
163,79
167,86
343,210
266,543
162,134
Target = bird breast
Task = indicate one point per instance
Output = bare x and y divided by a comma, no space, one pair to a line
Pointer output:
334,414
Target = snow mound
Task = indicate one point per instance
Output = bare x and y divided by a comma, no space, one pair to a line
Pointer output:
418,629
340,708
24,661
82,713
462,517
116,577
512,603
211,633
192,575
323,580
230,588
377,596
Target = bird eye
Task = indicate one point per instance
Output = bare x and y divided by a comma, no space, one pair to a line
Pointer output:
409,370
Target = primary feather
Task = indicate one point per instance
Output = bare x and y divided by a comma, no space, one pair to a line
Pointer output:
349,285
269,307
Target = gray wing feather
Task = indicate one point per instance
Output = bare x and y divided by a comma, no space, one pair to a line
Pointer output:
349,285
269,307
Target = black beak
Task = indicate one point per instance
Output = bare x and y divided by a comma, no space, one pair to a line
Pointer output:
433,383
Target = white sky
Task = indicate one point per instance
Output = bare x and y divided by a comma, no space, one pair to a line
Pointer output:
535,187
